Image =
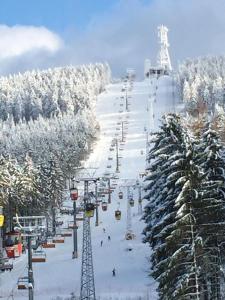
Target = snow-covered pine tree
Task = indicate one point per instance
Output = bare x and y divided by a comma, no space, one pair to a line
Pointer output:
211,216
186,205
31,189
165,159
183,273
55,189
12,191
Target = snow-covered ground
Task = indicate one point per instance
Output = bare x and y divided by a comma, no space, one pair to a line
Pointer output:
60,275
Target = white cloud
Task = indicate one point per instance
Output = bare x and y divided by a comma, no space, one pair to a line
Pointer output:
19,40
128,34
123,36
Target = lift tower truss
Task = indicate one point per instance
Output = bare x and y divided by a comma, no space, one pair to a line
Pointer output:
87,291
163,56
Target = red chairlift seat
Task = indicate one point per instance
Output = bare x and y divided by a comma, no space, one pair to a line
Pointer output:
74,194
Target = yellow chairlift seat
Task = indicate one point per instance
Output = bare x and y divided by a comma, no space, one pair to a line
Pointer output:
118,214
89,210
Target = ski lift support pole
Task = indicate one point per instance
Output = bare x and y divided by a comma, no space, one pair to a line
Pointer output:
129,218
109,190
126,98
87,289
30,270
75,247
117,157
96,204
128,184
122,129
29,232
1,240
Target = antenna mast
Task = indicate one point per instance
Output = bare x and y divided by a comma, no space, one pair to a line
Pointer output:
163,56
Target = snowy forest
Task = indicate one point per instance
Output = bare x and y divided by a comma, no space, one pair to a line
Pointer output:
202,82
47,127
185,190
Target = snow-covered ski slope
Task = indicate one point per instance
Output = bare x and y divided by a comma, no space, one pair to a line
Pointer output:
60,275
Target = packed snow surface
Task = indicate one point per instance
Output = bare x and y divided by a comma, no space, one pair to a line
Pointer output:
60,275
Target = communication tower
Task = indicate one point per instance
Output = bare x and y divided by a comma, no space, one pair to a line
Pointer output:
163,55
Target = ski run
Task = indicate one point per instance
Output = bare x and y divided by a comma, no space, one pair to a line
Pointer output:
60,275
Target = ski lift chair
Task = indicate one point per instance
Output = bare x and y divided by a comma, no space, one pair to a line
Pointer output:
58,240
120,195
131,202
66,234
48,243
5,265
118,214
104,206
22,283
38,256
89,211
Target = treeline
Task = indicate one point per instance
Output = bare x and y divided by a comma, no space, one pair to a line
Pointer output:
29,190
66,137
47,126
185,214
51,114
47,93
202,82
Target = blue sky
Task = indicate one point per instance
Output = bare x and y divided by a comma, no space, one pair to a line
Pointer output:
57,15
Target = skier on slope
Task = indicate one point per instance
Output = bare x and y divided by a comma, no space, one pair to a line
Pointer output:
109,238
114,272
101,243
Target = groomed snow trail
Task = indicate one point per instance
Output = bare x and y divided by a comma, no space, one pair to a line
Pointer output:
60,275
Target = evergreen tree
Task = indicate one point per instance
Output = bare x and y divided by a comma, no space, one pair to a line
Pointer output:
212,213
185,212
165,158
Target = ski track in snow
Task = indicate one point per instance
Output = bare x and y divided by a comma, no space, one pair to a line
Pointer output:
60,275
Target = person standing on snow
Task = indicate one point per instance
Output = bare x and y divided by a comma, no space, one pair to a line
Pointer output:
101,243
109,238
114,272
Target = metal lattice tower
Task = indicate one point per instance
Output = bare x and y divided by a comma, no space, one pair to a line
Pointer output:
87,290
163,56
